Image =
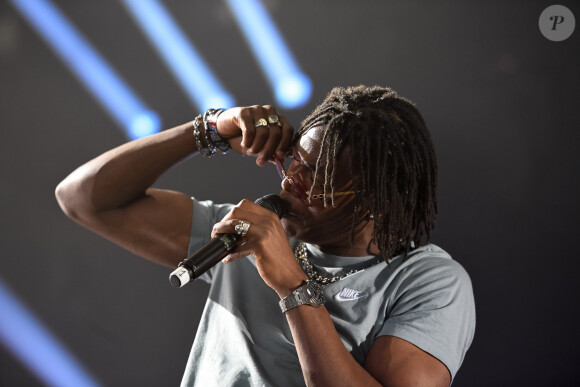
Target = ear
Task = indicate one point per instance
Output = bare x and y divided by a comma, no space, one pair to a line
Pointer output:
375,217
364,215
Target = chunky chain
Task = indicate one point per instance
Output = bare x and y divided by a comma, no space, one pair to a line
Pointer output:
301,254
202,146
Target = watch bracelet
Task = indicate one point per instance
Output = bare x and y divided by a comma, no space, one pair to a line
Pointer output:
300,297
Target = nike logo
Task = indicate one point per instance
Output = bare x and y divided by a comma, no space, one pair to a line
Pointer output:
348,294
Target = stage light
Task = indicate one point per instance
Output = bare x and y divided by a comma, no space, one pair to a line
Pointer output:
292,88
180,56
145,124
95,73
36,348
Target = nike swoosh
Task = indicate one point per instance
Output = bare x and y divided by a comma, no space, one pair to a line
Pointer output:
349,295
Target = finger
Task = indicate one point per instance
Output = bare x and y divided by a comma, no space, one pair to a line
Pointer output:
237,254
286,140
250,211
267,153
275,132
224,227
247,211
260,140
230,221
261,129
235,224
285,134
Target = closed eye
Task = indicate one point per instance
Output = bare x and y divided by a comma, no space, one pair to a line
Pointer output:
296,156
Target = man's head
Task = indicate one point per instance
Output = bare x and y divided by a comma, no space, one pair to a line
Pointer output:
390,161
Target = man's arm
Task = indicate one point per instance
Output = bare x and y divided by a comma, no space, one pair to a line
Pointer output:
397,362
391,361
111,194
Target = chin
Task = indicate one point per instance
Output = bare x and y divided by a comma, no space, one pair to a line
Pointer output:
295,229
296,221
289,227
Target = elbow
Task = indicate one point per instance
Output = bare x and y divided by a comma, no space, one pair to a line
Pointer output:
63,197
70,200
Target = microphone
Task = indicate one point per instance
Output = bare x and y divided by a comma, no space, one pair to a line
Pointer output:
221,245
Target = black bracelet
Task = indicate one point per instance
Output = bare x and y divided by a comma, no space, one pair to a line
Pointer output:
212,136
205,151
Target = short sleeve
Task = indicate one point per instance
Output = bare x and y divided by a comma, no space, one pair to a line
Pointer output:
433,308
205,215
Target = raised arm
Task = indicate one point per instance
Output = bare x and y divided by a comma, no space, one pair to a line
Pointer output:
112,195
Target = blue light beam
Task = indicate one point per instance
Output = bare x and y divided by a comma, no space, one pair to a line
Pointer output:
292,88
35,347
180,56
93,71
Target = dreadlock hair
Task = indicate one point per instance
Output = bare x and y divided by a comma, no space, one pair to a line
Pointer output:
391,161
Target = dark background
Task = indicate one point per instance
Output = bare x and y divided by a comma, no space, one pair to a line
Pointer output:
501,102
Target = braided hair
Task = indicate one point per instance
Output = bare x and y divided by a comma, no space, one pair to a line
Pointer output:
391,162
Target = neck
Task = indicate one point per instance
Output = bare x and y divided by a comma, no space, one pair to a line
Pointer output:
358,248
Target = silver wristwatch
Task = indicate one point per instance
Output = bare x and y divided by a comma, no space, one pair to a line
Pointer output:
309,293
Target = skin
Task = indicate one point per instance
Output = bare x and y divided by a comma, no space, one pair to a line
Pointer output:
111,195
326,227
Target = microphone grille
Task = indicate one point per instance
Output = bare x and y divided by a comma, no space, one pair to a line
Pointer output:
273,203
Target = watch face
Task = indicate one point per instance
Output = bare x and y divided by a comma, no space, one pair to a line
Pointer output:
315,293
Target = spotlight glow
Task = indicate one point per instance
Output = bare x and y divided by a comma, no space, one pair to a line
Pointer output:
85,62
291,87
180,56
145,124
293,90
36,348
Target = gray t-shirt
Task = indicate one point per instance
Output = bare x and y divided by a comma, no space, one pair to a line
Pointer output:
244,340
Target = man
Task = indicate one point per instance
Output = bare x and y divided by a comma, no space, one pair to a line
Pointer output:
360,190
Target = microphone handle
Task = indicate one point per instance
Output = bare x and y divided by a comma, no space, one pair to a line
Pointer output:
216,250
203,259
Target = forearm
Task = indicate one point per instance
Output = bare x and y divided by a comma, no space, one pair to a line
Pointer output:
323,357
123,174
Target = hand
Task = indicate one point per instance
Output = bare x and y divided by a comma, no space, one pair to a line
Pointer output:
238,126
266,240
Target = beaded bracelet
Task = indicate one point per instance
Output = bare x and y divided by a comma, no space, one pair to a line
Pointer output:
213,138
205,151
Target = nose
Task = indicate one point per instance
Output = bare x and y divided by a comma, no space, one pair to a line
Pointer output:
286,185
294,185
297,171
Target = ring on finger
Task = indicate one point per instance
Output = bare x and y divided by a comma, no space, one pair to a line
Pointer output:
274,119
261,122
242,228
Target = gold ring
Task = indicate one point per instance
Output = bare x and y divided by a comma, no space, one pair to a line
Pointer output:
274,119
261,122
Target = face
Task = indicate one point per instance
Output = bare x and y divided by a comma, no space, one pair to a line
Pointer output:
310,221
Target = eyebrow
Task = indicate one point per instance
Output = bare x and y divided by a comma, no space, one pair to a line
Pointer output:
302,160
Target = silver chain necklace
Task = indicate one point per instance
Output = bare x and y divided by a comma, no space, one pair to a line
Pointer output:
301,254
